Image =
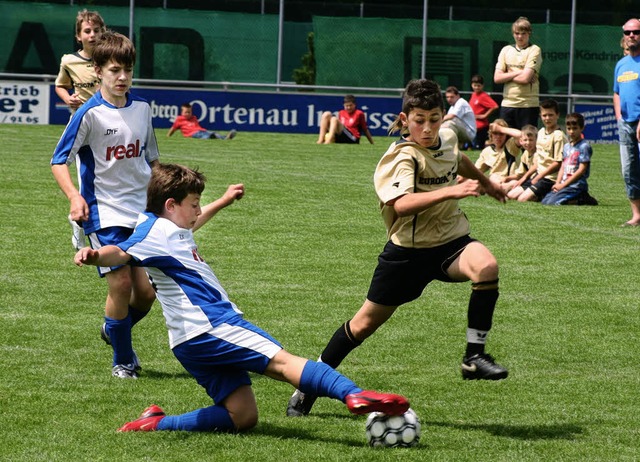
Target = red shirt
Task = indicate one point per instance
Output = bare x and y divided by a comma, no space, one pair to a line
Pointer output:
481,103
188,126
355,122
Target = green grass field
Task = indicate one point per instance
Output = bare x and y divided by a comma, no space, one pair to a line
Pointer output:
296,255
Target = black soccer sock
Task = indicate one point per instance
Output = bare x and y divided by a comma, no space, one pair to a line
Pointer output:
340,345
482,303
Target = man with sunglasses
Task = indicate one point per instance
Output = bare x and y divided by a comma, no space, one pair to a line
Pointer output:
626,104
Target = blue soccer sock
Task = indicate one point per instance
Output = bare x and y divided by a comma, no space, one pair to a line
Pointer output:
207,419
320,379
120,334
136,315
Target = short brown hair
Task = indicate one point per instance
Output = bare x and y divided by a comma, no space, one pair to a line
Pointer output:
172,181
575,117
114,46
92,17
550,104
419,93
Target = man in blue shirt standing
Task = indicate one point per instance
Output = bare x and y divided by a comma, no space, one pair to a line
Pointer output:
626,103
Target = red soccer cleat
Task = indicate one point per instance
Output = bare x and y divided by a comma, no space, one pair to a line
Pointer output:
147,422
371,401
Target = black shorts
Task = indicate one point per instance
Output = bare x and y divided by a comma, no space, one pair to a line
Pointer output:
403,273
345,136
541,188
518,117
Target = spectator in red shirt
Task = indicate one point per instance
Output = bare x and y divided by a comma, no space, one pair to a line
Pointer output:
188,124
347,127
483,106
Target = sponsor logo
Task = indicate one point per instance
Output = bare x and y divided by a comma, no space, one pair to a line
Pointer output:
111,131
444,179
125,152
431,181
628,76
85,84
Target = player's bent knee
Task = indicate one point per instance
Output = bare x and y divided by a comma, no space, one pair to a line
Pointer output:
490,270
120,280
246,421
144,298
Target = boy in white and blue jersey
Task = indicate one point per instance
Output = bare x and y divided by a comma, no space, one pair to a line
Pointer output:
206,330
112,139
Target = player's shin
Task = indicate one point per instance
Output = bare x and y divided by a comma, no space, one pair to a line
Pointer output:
208,419
482,303
319,379
340,345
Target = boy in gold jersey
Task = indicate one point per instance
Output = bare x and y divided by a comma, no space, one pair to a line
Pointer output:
541,176
500,158
518,69
416,181
77,80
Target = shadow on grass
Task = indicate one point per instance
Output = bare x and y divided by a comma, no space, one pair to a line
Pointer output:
284,432
522,432
151,374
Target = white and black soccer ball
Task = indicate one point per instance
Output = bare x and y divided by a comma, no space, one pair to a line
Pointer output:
393,430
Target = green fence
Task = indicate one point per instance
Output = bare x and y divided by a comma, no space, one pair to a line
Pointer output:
387,53
357,52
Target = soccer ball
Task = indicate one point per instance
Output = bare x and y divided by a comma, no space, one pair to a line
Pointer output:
393,430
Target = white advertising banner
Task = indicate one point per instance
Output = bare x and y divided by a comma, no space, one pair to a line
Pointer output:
24,102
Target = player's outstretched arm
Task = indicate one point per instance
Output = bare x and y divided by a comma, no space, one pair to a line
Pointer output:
109,255
234,192
512,132
414,203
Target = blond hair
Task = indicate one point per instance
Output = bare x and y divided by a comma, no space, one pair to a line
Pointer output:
522,24
529,130
501,122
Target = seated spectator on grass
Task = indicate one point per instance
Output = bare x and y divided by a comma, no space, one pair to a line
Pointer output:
571,186
460,118
500,158
188,124
347,127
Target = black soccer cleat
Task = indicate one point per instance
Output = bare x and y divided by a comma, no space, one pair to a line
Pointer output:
482,367
300,404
